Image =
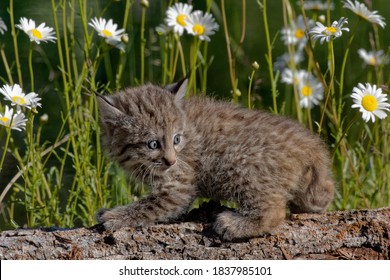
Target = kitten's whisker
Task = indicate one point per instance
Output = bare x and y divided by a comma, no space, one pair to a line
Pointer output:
150,174
184,163
153,175
137,171
147,172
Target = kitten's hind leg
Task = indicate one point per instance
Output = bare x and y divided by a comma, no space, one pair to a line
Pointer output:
254,222
316,195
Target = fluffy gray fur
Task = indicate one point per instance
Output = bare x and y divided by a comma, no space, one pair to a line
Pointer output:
263,162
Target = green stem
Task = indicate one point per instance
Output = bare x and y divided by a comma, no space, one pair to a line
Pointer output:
332,67
6,65
107,64
30,66
205,69
309,119
87,38
330,91
174,56
127,12
83,16
59,49
174,60
250,88
171,63
118,76
181,53
5,147
288,14
341,86
66,43
194,57
72,40
122,57
165,60
15,42
229,53
31,173
269,58
142,54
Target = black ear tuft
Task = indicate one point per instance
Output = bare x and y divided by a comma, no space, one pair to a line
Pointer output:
174,88
179,90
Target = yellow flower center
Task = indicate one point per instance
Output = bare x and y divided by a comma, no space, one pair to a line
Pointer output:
372,60
198,29
299,34
369,103
106,33
36,33
306,90
18,100
181,19
4,120
331,29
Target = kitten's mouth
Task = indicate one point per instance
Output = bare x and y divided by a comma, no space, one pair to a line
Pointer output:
163,167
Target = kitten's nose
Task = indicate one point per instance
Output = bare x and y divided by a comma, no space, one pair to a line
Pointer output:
169,161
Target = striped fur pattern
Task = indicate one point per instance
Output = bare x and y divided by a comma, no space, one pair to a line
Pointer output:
199,147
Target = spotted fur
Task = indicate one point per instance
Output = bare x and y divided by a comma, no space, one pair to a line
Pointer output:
263,162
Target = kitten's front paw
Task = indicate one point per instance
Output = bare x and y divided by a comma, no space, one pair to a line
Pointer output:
112,219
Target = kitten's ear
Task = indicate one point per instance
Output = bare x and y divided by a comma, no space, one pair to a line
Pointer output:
179,89
107,111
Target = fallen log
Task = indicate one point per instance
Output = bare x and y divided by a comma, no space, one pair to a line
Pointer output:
356,234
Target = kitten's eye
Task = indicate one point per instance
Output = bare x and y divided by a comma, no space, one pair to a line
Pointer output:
176,139
154,144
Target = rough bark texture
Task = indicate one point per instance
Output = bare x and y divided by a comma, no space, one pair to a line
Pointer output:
360,234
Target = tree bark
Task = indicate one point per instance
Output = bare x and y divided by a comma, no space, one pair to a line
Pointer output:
357,234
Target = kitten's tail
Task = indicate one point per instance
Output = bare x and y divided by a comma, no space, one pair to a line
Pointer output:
316,194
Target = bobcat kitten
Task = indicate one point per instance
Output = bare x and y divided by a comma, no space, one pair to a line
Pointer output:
185,148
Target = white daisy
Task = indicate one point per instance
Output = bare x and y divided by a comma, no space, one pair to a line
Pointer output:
37,34
286,59
3,27
293,77
362,11
317,5
373,58
108,30
201,25
327,32
370,101
177,17
295,34
310,90
13,120
20,99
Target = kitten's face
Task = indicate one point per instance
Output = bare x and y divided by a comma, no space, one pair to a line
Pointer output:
143,128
